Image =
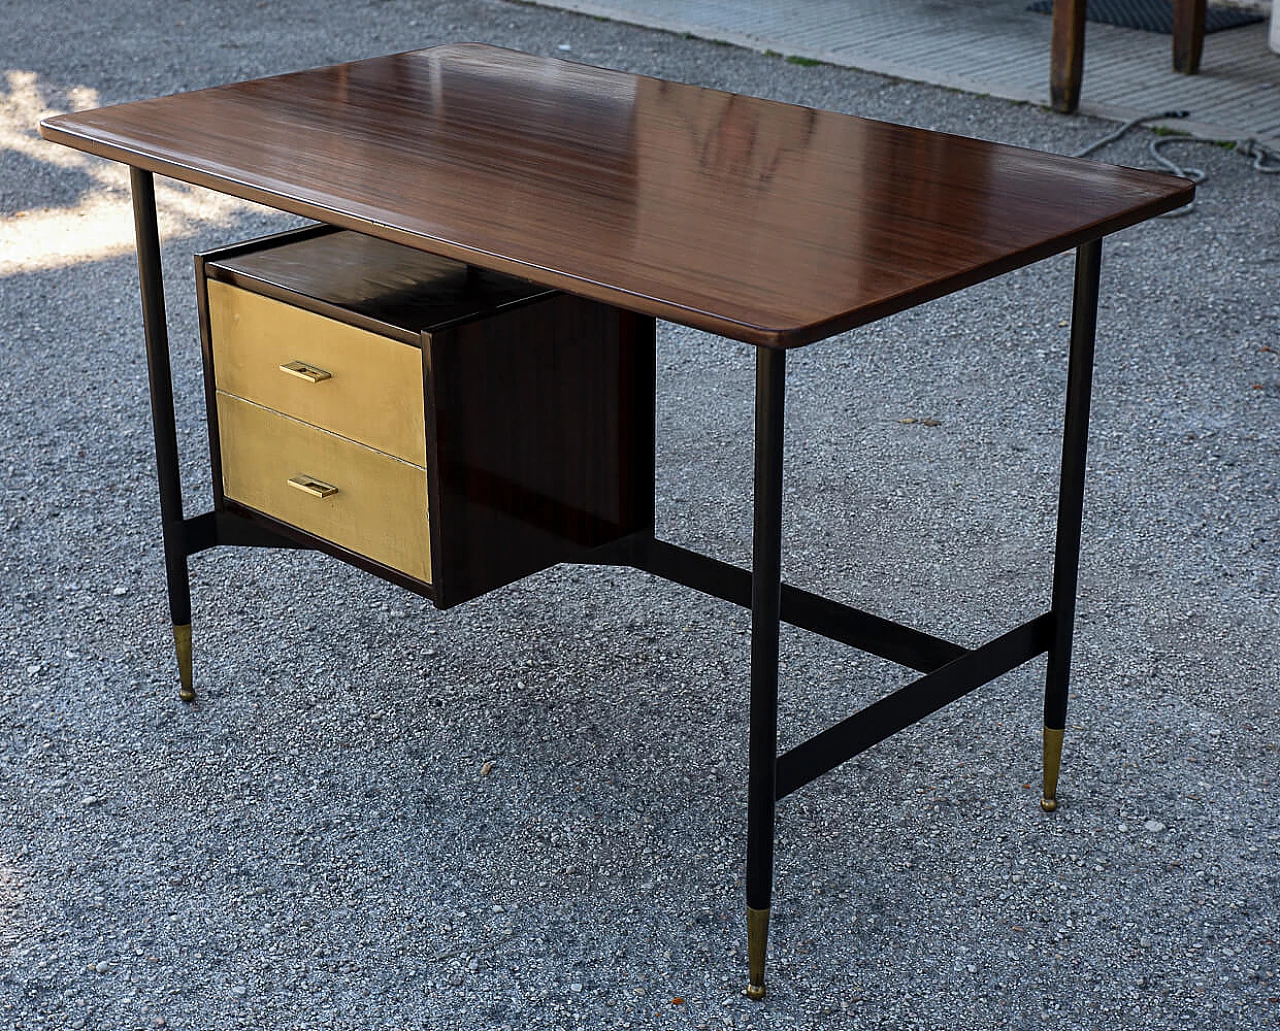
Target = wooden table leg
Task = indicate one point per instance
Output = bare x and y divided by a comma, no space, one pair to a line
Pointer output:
1066,553
766,607
1188,35
1066,64
155,327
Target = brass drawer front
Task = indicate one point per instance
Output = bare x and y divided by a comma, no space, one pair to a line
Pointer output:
353,382
358,498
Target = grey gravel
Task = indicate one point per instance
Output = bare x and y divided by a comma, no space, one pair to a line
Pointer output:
316,843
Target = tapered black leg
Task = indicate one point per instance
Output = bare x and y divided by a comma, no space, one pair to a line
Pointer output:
1066,560
162,420
766,590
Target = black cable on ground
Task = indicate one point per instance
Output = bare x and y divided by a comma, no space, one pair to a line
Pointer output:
1265,159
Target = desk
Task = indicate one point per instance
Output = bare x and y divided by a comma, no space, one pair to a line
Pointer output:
762,222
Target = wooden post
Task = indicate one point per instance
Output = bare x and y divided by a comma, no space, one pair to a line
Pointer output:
1188,35
1066,64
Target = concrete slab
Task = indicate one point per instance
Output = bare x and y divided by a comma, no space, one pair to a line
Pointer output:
993,47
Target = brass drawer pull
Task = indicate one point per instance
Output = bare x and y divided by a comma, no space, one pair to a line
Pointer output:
310,485
302,370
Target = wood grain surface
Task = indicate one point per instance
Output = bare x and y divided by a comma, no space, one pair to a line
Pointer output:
763,222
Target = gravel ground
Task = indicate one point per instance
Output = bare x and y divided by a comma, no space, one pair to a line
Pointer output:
316,843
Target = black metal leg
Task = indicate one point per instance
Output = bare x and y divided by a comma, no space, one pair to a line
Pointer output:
1066,559
162,420
766,594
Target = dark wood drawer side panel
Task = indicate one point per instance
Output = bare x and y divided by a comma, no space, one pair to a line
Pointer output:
540,439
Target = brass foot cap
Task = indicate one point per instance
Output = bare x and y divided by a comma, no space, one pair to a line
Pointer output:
1049,805
755,991
182,645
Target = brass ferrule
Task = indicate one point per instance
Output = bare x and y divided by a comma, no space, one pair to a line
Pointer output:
1052,762
186,678
757,944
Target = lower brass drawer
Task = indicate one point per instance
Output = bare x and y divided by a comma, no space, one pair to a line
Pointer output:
341,491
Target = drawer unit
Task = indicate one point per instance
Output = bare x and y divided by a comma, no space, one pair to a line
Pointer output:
449,429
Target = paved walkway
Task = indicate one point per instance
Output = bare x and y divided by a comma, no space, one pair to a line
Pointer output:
990,46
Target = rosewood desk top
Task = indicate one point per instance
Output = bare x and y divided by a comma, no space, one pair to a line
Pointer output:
764,222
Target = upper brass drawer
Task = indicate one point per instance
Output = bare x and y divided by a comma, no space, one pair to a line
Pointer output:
352,382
